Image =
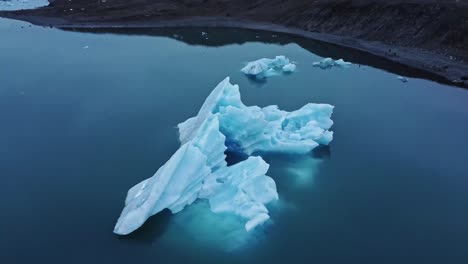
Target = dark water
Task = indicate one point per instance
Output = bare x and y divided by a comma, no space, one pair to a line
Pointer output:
80,126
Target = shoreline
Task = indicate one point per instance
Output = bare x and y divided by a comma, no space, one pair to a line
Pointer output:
445,69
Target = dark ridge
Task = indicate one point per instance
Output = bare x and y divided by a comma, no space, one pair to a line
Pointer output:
431,35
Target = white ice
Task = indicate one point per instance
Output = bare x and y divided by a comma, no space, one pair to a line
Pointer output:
251,129
402,79
198,169
328,63
288,68
265,67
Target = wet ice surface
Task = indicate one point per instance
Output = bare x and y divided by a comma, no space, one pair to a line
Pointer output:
22,4
79,126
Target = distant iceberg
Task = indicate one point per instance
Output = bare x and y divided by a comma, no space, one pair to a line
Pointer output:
402,79
263,68
328,63
198,169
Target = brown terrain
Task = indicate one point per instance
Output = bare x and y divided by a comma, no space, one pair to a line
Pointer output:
430,35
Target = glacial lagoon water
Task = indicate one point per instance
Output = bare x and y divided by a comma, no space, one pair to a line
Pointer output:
84,116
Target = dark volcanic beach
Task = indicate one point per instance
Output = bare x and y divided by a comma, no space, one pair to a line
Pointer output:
431,35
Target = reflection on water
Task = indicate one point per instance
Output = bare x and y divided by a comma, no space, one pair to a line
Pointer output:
217,37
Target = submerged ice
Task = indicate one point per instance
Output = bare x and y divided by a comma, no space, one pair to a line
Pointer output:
265,67
198,169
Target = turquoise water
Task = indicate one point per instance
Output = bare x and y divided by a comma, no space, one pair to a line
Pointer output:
86,116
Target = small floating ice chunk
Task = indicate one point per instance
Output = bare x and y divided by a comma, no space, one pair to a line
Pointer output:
402,79
288,68
325,63
328,63
257,67
265,67
342,63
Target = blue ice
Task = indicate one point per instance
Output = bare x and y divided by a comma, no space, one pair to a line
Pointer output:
265,67
251,129
328,63
198,169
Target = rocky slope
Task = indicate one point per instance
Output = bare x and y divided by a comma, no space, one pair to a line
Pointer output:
427,34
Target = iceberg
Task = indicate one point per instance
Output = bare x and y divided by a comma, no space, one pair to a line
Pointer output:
328,63
265,67
402,79
251,129
198,169
288,68
178,182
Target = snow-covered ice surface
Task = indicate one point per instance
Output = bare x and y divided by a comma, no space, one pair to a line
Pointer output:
22,4
198,169
265,67
328,63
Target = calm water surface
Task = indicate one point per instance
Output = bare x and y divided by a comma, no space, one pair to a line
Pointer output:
83,117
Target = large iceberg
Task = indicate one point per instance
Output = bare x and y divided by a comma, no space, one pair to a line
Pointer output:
251,129
198,169
265,67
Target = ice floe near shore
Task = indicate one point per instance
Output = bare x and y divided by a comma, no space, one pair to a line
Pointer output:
198,169
402,79
328,63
